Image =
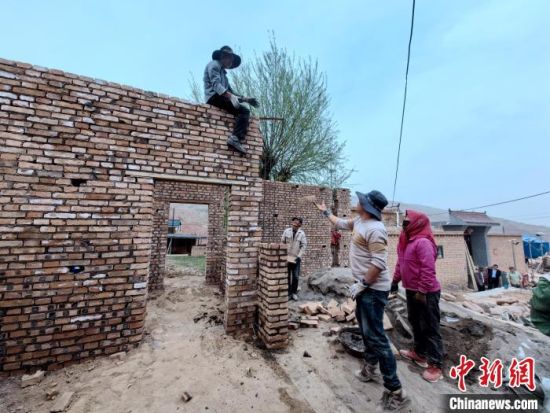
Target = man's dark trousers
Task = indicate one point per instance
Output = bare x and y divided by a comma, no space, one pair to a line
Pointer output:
293,276
493,282
242,113
424,319
370,316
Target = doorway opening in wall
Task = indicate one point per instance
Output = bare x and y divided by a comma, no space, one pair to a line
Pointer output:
186,242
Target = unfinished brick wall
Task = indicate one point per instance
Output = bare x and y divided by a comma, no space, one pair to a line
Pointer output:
501,252
167,192
283,200
451,269
273,296
79,160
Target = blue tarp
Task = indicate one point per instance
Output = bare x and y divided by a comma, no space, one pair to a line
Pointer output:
173,223
534,247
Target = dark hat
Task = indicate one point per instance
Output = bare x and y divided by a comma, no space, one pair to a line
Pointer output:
217,54
373,202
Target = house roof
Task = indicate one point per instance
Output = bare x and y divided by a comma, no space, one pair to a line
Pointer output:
179,235
470,218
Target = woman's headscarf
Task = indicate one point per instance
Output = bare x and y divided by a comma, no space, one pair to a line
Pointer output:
418,227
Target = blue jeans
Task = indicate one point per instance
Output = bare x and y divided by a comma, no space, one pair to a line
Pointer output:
370,316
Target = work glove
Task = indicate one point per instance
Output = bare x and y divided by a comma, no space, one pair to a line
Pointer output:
355,289
420,298
394,288
253,101
235,101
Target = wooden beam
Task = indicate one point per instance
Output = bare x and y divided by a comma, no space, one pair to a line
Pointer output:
186,178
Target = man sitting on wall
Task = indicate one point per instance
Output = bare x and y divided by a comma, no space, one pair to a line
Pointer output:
493,277
218,92
295,239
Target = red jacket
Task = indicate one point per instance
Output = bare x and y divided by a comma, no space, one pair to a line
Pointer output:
416,266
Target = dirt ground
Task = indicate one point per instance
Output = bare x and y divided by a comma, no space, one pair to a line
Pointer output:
186,350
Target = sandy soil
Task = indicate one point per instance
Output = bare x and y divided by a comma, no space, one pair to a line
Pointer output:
222,374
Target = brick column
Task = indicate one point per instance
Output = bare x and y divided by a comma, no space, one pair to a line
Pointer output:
243,237
273,296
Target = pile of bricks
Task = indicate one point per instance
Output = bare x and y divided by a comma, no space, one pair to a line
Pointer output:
273,296
313,312
80,161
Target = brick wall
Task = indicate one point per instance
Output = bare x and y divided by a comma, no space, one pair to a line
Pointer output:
167,192
80,159
273,296
501,252
451,269
283,200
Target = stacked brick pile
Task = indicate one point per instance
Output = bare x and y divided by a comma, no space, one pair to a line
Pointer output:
80,160
273,296
283,200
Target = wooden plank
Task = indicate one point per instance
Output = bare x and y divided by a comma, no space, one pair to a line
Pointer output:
185,178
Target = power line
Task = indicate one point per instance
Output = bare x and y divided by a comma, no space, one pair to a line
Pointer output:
404,103
501,203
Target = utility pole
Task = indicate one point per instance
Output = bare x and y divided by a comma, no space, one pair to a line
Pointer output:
514,243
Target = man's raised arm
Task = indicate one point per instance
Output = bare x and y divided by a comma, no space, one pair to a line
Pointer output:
339,223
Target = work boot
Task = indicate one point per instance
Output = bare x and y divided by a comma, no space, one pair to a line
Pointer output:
367,373
432,374
235,143
412,356
394,400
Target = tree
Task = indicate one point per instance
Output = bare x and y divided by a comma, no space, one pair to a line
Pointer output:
303,146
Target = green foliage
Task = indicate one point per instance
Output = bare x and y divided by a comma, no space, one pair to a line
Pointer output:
303,146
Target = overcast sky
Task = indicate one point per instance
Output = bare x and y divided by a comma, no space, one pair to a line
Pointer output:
477,125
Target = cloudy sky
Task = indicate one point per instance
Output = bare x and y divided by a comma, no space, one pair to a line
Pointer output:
477,128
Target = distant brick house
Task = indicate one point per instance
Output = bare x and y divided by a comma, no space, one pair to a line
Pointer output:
463,232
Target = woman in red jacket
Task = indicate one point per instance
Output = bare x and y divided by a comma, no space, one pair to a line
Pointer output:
416,255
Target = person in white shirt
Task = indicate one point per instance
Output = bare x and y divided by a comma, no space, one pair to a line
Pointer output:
368,257
296,241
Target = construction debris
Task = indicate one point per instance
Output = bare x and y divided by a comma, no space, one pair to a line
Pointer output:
32,379
473,307
316,311
507,304
448,297
186,397
332,280
62,403
310,321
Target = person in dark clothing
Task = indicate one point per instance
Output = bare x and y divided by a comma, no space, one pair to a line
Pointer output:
416,255
480,279
218,92
493,277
